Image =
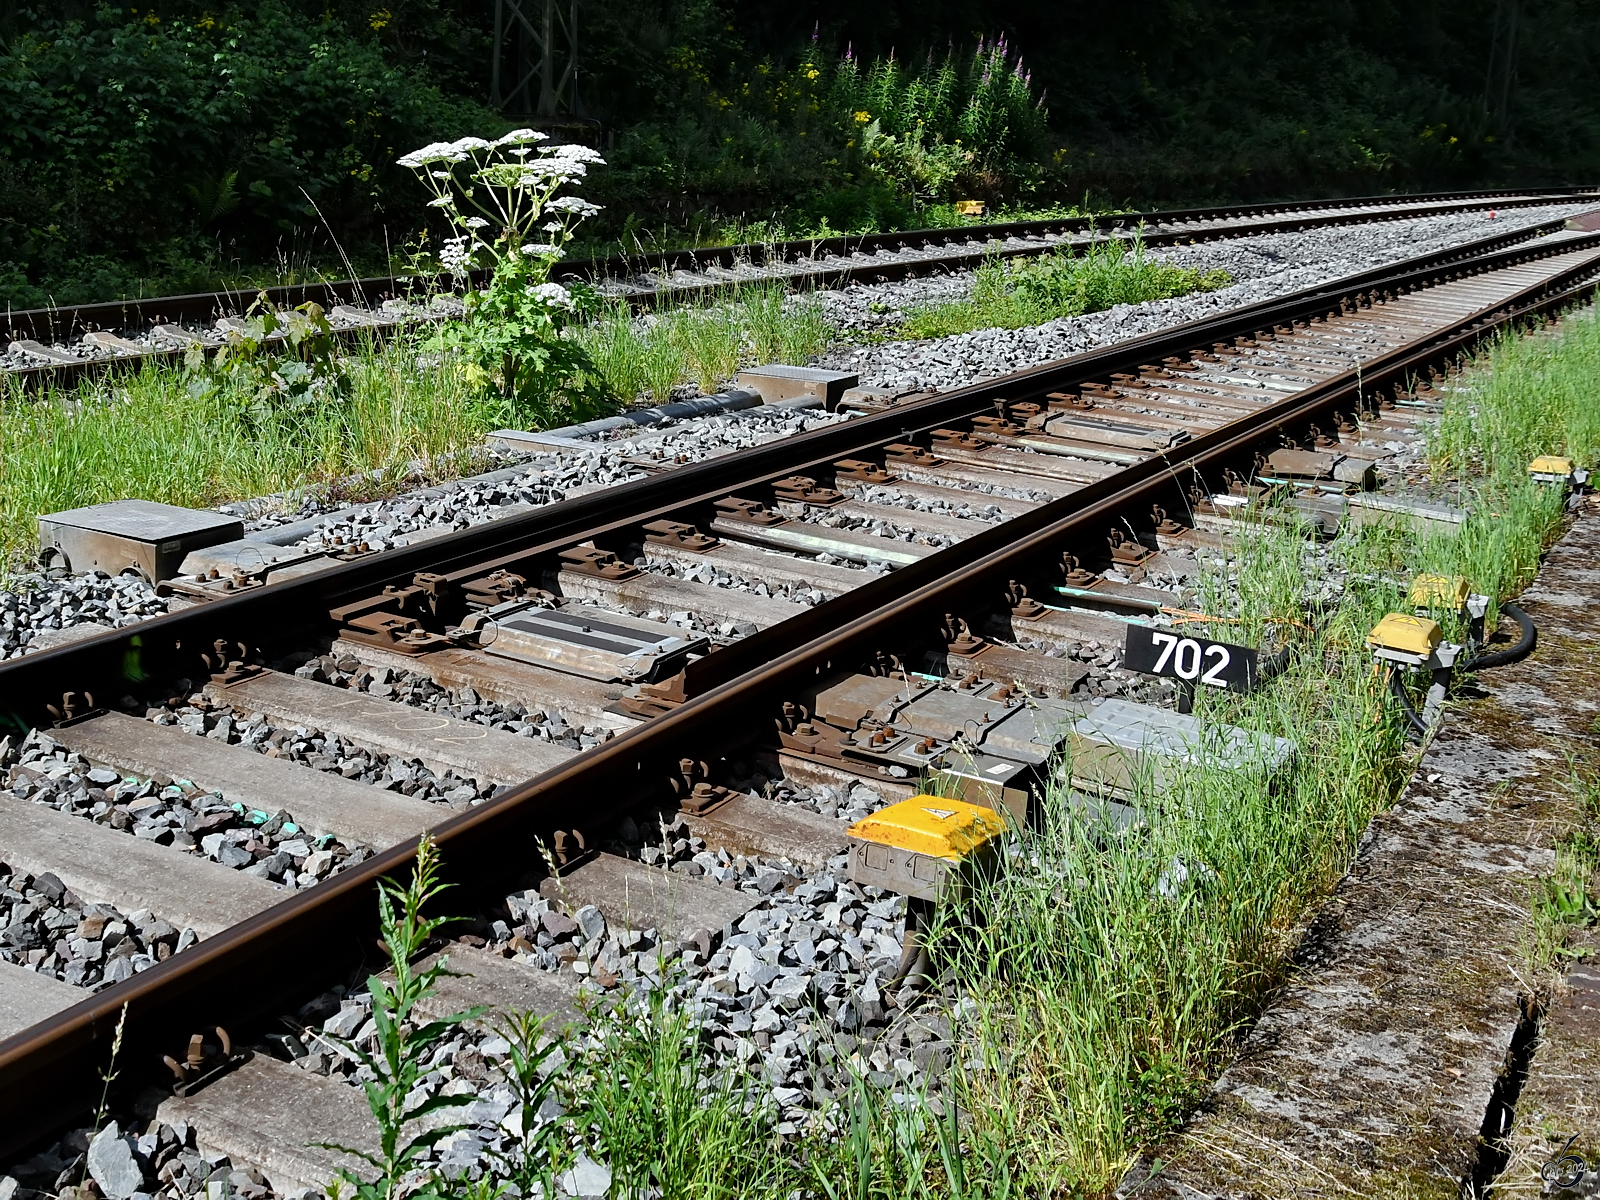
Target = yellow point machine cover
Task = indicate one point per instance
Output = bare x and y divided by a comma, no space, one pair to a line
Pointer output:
1405,634
1447,592
916,846
1551,468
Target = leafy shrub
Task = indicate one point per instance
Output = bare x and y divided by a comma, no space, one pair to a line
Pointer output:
301,368
924,129
142,146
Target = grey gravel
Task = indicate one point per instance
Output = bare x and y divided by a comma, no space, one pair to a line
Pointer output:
33,602
164,1161
1264,267
189,818
112,1164
49,929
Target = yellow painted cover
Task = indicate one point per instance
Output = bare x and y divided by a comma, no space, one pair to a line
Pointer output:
933,825
1408,634
1439,591
1550,464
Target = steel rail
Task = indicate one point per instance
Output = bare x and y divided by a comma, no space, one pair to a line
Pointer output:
48,1071
167,646
51,324
105,664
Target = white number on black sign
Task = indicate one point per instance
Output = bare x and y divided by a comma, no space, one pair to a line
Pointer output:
1215,664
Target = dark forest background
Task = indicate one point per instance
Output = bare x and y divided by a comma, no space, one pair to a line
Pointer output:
176,144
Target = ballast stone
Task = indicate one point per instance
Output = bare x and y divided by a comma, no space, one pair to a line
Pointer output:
112,1165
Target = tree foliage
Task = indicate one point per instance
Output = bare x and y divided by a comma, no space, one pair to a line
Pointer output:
183,139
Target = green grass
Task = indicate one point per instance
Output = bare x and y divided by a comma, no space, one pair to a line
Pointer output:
156,436
164,435
1013,293
703,344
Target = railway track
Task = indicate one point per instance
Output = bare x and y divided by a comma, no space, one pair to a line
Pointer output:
1016,519
60,345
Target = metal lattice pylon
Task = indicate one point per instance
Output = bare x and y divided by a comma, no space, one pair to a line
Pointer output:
535,60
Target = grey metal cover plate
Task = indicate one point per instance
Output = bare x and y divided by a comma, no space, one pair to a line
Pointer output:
597,645
144,520
1142,730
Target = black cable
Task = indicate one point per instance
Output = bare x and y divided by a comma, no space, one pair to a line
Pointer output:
1523,648
1397,685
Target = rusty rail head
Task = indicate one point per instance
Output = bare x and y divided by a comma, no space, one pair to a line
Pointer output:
48,1072
107,664
70,320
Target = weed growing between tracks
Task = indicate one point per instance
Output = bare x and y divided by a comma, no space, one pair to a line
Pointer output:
153,436
704,344
1010,294
1115,971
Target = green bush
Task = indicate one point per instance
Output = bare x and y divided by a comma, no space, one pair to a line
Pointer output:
146,153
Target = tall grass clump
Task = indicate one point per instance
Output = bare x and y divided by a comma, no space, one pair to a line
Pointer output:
702,344
1012,293
1111,970
162,434
1530,396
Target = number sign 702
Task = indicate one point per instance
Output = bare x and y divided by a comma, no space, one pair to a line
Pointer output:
1216,664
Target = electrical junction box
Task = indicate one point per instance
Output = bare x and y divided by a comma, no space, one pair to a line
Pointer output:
1447,592
1121,748
1403,638
923,846
134,535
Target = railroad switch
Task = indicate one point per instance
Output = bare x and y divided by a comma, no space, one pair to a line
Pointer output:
929,849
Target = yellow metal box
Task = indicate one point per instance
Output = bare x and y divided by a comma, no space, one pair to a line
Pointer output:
916,847
1406,634
1447,592
1551,468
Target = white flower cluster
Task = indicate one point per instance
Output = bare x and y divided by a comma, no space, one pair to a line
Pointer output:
576,205
454,255
512,181
552,294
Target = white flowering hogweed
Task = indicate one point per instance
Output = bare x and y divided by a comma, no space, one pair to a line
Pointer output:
503,202
497,194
